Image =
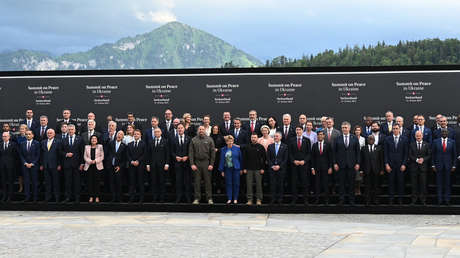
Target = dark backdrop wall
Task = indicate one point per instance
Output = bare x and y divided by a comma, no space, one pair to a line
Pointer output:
344,95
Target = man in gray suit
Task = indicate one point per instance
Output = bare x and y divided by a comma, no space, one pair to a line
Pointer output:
330,132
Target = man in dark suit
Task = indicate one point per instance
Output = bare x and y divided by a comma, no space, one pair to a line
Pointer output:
132,121
167,125
437,124
41,131
179,153
403,131
149,134
7,128
286,129
63,131
31,123
330,132
252,125
226,127
387,127
136,155
426,132
8,162
158,164
303,121
419,160
115,163
277,157
322,161
443,125
372,166
240,135
379,137
396,152
72,163
346,162
66,113
444,159
457,142
50,164
84,126
29,153
91,130
299,157
110,134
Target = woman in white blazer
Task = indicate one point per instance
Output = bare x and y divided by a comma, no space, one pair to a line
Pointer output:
94,156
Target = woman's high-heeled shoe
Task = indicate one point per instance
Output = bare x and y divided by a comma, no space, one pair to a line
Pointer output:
229,201
97,199
90,200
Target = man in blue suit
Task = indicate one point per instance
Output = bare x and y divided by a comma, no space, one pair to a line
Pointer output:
29,153
444,157
347,157
277,157
240,135
396,153
426,132
51,164
31,123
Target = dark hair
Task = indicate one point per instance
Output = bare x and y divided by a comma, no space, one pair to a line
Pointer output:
276,122
91,138
356,127
299,126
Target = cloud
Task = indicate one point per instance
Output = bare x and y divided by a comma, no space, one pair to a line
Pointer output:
160,17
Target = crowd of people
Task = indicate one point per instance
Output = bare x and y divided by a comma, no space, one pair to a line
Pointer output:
312,162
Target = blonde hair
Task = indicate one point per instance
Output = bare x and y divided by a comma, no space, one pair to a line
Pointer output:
228,138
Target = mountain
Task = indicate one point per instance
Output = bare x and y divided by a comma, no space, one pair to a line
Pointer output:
422,52
173,45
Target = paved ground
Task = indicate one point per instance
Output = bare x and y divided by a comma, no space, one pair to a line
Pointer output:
110,234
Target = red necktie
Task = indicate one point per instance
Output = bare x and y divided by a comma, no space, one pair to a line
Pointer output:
329,136
299,143
444,146
320,149
252,127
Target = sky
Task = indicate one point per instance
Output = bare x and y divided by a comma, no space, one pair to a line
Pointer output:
262,28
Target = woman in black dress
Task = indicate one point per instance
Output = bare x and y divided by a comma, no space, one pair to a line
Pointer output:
219,142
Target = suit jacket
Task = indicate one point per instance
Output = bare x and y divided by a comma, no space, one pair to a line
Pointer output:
178,150
158,155
347,157
51,158
444,160
38,136
99,157
224,131
77,150
427,135
164,127
415,153
396,156
115,158
303,154
457,136
450,134
281,159
247,126
372,161
384,128
236,158
287,138
406,133
137,125
365,132
85,137
322,161
9,156
148,136
31,156
381,139
334,134
133,154
35,123
242,138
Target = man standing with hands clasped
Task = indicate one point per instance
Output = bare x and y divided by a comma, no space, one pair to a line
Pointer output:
202,156
444,157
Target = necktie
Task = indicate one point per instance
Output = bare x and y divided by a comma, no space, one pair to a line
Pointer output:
346,141
42,131
28,145
299,143
181,141
396,141
419,146
328,134
390,127
285,132
321,148
444,145
135,144
371,148
49,145
252,126
28,123
236,133
276,149
226,126
156,143
4,146
71,141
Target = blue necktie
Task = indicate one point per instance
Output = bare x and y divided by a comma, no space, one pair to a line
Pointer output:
277,146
